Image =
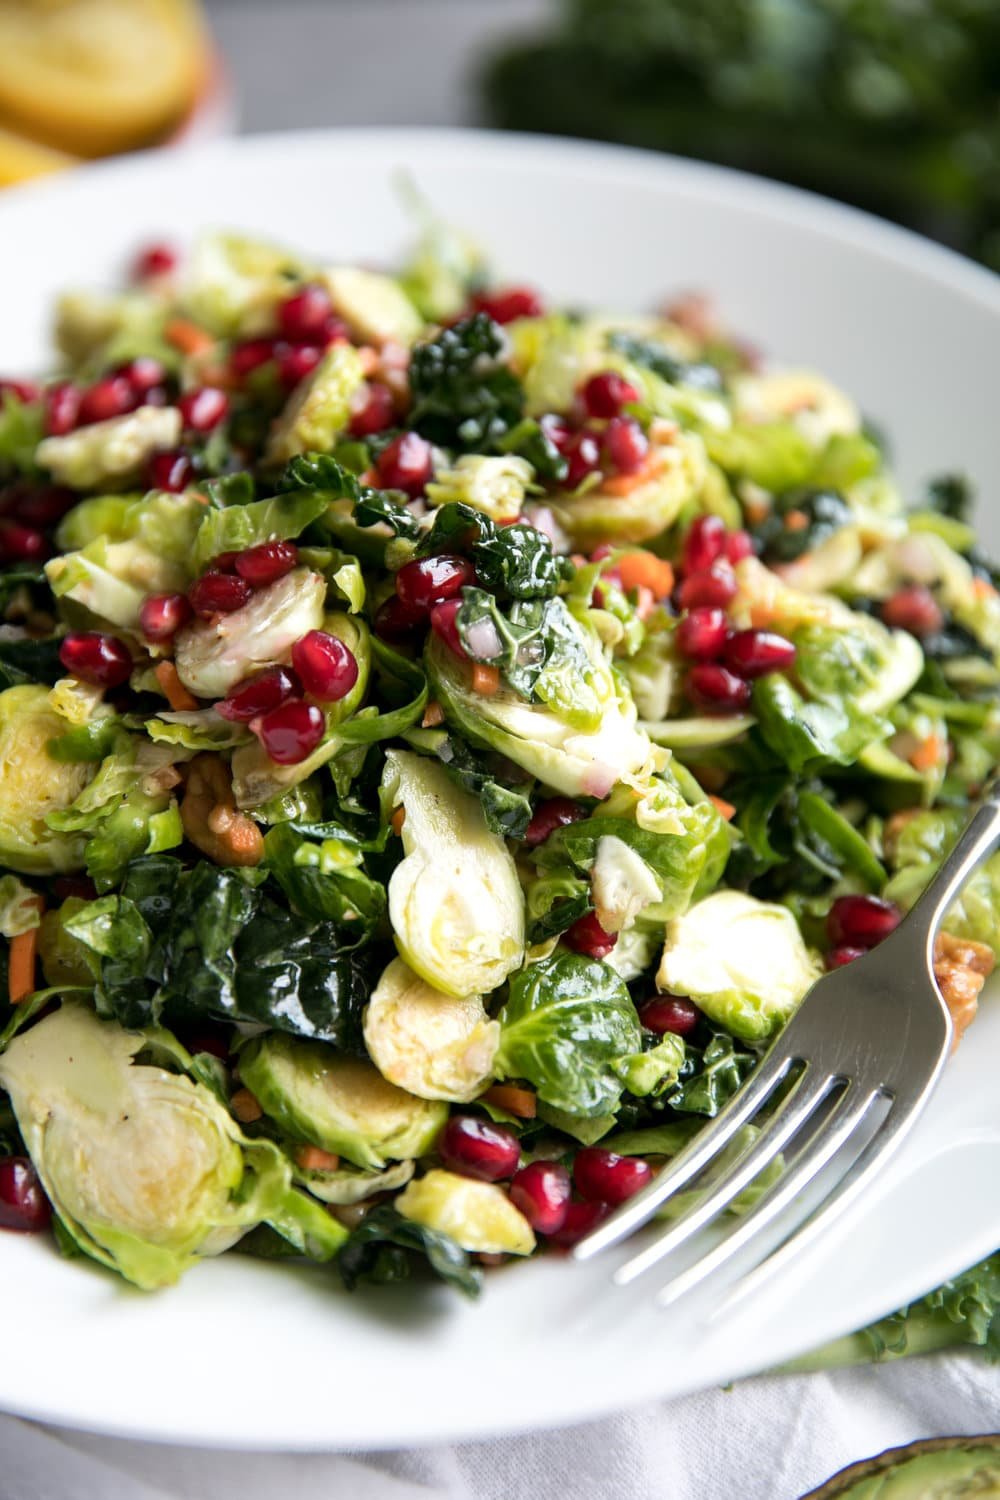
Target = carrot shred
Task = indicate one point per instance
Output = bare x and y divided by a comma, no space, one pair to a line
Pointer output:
176,693
245,1106
485,680
643,570
315,1159
21,965
186,336
982,588
725,809
927,754
624,484
516,1101
369,359
796,520
397,820
433,715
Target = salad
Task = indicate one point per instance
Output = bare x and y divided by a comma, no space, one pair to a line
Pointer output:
442,739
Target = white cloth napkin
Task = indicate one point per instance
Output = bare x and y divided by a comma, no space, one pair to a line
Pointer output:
772,1438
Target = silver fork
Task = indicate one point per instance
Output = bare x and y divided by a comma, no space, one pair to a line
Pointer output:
860,1059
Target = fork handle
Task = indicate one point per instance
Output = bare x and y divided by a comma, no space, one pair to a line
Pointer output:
980,838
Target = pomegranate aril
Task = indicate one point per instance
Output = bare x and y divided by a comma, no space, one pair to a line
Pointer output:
259,695
716,690
26,391
23,1204
66,886
626,445
162,615
290,733
478,1148
303,315
541,1192
444,625
296,362
506,304
669,1013
708,588
334,331
583,454
101,660
62,408
395,623
327,668
224,562
557,430
218,594
143,374
703,544
431,580
602,1176
701,634
580,1219
154,260
606,393
736,546
405,464
44,505
587,936
169,471
111,397
553,813
377,413
249,356
844,954
266,563
22,543
203,409
914,609
861,921
752,653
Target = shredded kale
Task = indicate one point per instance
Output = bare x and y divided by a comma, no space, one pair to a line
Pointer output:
463,395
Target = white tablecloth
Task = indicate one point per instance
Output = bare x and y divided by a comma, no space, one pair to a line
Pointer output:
767,1439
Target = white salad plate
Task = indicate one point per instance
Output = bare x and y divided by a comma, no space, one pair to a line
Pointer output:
257,1355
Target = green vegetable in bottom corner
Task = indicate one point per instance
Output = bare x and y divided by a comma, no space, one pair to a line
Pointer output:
145,1169
935,1469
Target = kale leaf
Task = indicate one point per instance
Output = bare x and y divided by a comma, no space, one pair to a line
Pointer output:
653,356
381,1249
463,394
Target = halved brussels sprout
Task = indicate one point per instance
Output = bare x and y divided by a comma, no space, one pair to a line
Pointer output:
341,1104
436,1046
374,307
922,557
214,655
320,408
346,1185
818,408
33,785
88,323
600,515
743,961
455,902
111,453
234,284
495,486
476,1215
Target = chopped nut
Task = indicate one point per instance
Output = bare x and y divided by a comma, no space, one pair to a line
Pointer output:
210,818
960,968
245,1107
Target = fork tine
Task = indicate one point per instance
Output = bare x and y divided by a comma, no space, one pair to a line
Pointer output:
688,1163
793,1114
824,1143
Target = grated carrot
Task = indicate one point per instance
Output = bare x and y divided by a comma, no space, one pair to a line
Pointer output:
514,1100
314,1159
624,484
485,680
796,520
643,570
927,755
725,809
433,715
175,692
397,820
188,337
21,965
982,588
369,358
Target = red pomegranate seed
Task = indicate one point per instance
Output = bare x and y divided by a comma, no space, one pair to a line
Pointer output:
296,362
62,408
861,921
444,625
553,813
701,634
249,356
334,331
292,732
431,580
716,690
587,936
26,391
155,260
327,668
580,1219
478,1148
504,305
218,594
395,623
111,397
215,1043
169,471
626,444
22,543
23,1204
915,609
101,660
377,413
304,314
736,546
583,453
204,408
541,1191
405,464
224,562
45,505
844,954
74,885
602,1176
671,1013
708,588
143,374
703,544
752,653
259,695
606,393
162,615
266,563
557,430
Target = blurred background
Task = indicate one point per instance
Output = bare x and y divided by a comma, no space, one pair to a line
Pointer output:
890,104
